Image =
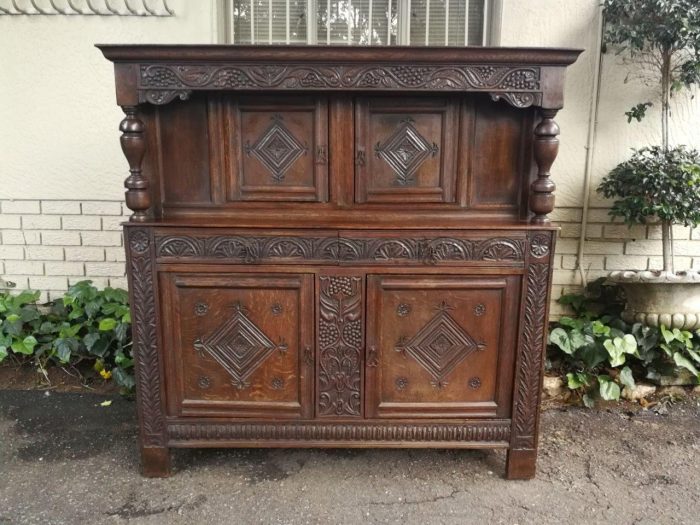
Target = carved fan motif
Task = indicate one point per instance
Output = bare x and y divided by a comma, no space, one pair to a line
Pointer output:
277,149
440,345
404,151
239,346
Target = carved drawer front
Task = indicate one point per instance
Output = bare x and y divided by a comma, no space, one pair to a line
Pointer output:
278,149
238,345
440,346
405,150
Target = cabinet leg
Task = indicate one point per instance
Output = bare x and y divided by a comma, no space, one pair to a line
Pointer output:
155,462
521,464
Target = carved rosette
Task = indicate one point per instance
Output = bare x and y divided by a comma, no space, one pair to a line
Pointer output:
340,341
517,85
145,337
531,347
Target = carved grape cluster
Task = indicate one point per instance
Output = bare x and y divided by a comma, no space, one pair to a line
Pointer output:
520,80
411,76
340,285
159,77
327,333
352,333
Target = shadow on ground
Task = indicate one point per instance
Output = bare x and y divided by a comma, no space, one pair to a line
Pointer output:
67,459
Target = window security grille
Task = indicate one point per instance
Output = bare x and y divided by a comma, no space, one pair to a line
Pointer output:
358,22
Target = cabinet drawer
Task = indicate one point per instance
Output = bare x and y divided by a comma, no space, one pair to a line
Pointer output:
440,346
238,345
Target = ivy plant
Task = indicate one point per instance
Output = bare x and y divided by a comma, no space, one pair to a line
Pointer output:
87,324
600,354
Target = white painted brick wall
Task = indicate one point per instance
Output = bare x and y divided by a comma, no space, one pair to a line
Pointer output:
48,245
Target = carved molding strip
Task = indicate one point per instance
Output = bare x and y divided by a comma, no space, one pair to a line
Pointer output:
158,8
356,432
531,350
517,85
250,250
143,312
340,340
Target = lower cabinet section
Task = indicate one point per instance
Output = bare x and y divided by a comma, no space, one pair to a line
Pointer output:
238,345
338,344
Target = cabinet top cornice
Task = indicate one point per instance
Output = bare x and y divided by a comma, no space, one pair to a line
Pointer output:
158,74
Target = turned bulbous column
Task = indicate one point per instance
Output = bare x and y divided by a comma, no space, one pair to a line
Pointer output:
546,148
138,198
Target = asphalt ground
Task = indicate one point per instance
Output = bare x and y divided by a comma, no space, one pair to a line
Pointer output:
65,459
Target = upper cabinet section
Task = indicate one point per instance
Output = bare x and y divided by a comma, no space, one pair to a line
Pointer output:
340,137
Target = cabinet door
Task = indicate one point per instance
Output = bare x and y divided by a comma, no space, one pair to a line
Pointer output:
440,346
279,149
238,345
405,150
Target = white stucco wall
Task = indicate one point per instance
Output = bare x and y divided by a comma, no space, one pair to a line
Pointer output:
61,168
58,117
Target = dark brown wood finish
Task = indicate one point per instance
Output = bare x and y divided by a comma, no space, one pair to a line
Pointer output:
339,246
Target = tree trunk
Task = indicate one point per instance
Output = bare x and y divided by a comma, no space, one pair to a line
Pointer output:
665,97
667,241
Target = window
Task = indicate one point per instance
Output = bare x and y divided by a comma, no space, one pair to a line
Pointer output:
358,22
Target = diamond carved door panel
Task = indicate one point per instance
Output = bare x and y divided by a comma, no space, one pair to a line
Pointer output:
405,150
278,149
440,346
239,345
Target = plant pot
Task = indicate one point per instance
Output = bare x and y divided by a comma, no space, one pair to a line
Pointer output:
657,298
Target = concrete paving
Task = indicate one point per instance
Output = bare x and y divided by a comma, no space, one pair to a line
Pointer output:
66,459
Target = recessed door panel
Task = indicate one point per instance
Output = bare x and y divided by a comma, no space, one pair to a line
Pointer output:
405,150
278,149
440,346
238,345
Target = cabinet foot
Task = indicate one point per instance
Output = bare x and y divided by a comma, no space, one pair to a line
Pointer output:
521,464
155,462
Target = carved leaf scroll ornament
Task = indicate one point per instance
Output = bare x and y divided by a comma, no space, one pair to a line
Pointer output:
517,85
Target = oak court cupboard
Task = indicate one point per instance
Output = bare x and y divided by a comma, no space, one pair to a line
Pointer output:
339,247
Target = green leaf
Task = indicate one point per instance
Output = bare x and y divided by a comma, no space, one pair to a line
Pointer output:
560,338
629,344
693,354
588,401
576,380
107,324
609,390
3,353
90,339
684,362
667,334
24,346
626,378
616,353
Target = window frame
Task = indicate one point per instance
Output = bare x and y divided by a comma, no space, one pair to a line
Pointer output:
490,24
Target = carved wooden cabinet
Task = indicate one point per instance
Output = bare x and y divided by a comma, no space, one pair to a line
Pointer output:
339,246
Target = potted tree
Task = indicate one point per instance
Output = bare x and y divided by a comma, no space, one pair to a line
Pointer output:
658,183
